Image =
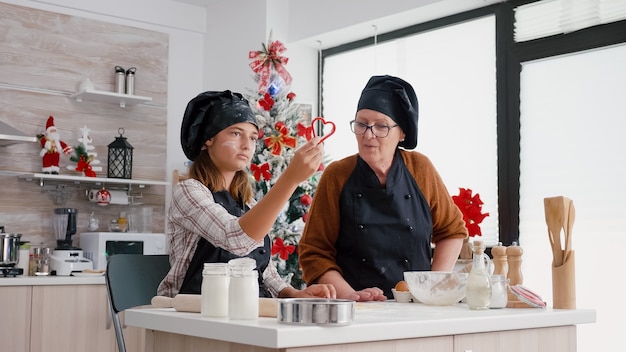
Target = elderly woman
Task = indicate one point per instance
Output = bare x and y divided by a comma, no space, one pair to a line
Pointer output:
376,213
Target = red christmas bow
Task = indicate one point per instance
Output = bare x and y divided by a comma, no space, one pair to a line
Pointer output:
85,167
263,60
261,170
305,131
276,142
281,249
267,102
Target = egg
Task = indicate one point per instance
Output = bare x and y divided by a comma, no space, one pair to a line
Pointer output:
402,286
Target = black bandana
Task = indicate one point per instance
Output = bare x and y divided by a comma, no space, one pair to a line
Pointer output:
395,98
209,113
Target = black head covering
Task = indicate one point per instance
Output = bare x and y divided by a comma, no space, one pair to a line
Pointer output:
209,113
395,98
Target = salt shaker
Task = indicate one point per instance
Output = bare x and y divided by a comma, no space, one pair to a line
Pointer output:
214,290
478,281
243,289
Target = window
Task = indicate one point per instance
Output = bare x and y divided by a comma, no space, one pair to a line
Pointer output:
453,71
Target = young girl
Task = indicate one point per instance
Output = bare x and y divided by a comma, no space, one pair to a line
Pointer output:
213,216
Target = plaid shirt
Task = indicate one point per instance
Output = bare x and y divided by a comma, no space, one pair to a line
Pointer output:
193,213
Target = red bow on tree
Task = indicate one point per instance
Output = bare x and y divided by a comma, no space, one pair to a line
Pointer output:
277,141
472,209
281,249
261,170
305,131
267,102
263,60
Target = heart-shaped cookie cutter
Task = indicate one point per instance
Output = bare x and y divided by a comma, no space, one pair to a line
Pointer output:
324,122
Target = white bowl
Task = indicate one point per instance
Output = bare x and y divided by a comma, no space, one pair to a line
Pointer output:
402,296
436,288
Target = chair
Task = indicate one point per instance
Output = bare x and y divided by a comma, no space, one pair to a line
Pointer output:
132,280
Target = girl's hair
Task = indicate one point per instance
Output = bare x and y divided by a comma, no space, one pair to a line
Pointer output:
204,170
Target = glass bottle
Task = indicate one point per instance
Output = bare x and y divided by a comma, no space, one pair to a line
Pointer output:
214,290
478,293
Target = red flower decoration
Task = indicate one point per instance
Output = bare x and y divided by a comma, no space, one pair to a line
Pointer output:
267,102
306,199
276,142
291,96
261,170
281,249
471,208
305,131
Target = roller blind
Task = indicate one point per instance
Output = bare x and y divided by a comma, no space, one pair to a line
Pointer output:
551,17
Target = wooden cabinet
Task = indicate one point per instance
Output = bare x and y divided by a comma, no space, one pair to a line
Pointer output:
16,318
61,318
553,339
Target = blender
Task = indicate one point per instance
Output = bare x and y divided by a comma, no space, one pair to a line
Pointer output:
66,257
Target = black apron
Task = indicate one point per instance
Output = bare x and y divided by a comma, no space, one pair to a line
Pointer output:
383,231
208,253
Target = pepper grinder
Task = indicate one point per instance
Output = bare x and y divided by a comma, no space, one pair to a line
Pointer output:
514,260
500,264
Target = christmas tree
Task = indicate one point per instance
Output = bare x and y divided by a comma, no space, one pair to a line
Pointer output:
281,130
84,156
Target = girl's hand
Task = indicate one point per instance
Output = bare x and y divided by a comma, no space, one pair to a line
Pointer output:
306,161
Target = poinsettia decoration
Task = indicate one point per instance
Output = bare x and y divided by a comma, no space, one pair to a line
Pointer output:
471,207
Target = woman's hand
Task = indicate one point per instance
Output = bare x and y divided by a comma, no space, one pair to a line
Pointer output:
317,290
365,295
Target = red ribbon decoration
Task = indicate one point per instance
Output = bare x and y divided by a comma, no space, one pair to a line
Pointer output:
276,142
305,131
281,249
85,167
267,102
261,170
263,60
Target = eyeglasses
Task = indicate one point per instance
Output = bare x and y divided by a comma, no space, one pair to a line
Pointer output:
379,131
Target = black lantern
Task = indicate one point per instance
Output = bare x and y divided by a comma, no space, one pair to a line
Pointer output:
120,158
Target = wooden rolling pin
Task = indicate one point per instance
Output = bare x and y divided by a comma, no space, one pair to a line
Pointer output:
268,307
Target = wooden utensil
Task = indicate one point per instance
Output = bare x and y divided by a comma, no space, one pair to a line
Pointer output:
554,213
571,214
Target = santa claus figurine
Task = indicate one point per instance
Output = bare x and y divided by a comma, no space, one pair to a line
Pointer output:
51,148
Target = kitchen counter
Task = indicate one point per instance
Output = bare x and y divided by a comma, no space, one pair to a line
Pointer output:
374,321
51,280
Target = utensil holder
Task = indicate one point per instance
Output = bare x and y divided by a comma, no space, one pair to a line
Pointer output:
564,283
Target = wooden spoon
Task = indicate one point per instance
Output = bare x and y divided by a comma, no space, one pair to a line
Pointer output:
568,231
554,211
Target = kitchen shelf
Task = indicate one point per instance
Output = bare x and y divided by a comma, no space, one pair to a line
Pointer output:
98,181
110,97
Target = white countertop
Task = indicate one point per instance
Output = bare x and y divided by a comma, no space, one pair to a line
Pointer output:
374,321
51,280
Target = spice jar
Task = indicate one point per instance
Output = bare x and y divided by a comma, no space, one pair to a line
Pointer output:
499,291
243,289
214,291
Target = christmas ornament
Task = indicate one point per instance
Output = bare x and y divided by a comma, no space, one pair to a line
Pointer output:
84,156
51,148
